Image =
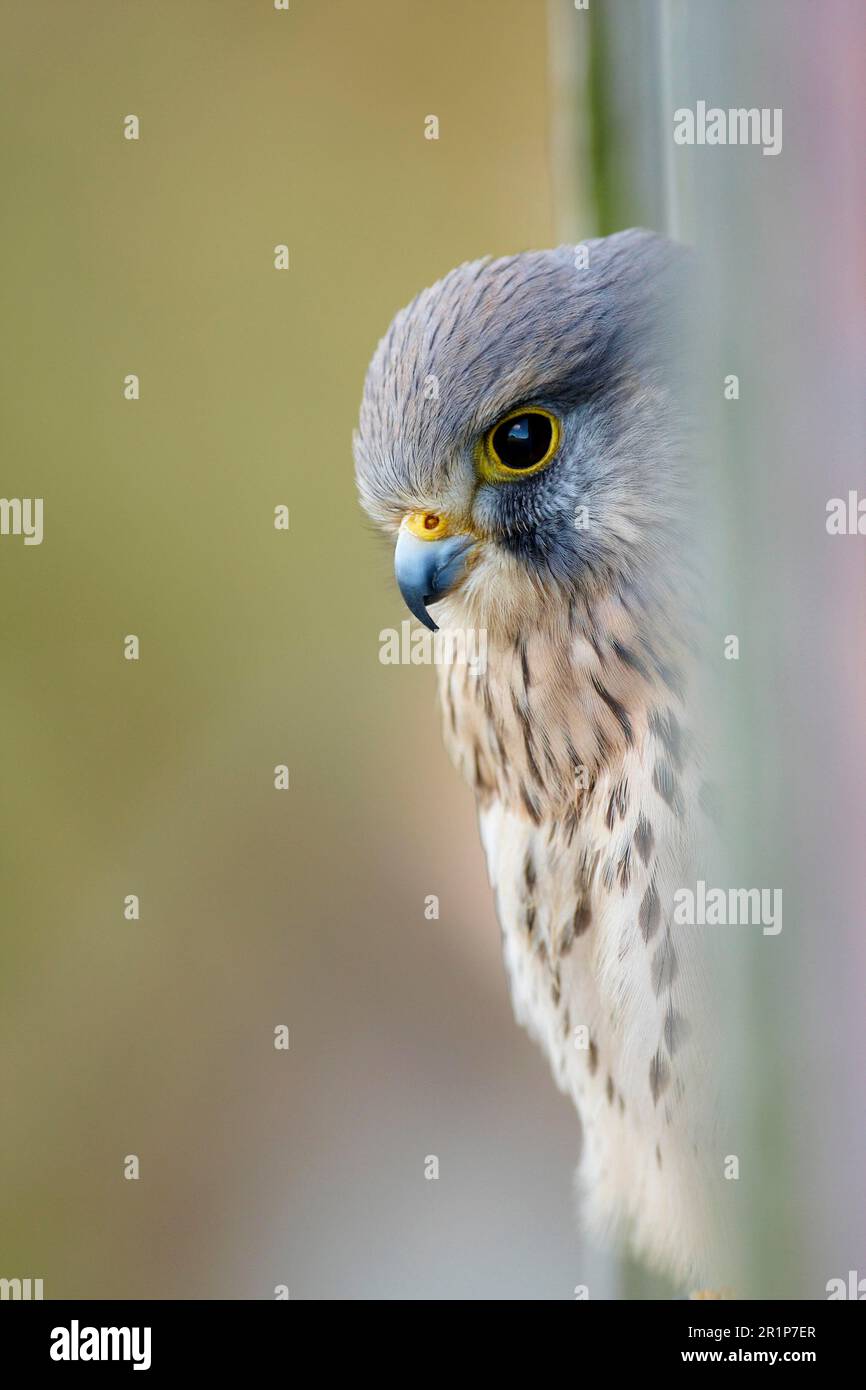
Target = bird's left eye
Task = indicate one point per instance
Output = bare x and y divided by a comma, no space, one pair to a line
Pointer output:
521,443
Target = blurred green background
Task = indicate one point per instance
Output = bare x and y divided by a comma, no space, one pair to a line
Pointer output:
258,647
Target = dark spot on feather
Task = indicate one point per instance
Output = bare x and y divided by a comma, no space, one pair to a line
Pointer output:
582,918
486,698
603,744
530,760
526,730
524,661
588,865
546,749
658,1156
676,1031
618,804
593,1057
609,1091
529,876
664,965
659,1076
619,712
630,658
482,783
666,786
666,728
625,870
650,913
643,839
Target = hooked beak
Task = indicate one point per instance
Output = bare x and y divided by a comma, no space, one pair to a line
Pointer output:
428,562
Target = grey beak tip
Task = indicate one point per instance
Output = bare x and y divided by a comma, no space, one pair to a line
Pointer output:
418,608
427,570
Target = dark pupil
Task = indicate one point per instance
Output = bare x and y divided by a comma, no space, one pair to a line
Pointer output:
523,441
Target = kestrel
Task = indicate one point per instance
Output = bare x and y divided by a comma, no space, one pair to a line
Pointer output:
523,438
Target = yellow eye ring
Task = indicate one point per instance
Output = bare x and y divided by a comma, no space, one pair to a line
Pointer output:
529,438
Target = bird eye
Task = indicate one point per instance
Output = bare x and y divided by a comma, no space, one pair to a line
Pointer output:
521,443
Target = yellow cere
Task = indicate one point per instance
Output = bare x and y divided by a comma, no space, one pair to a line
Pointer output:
427,526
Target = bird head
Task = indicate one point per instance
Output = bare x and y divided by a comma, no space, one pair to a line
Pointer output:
518,435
